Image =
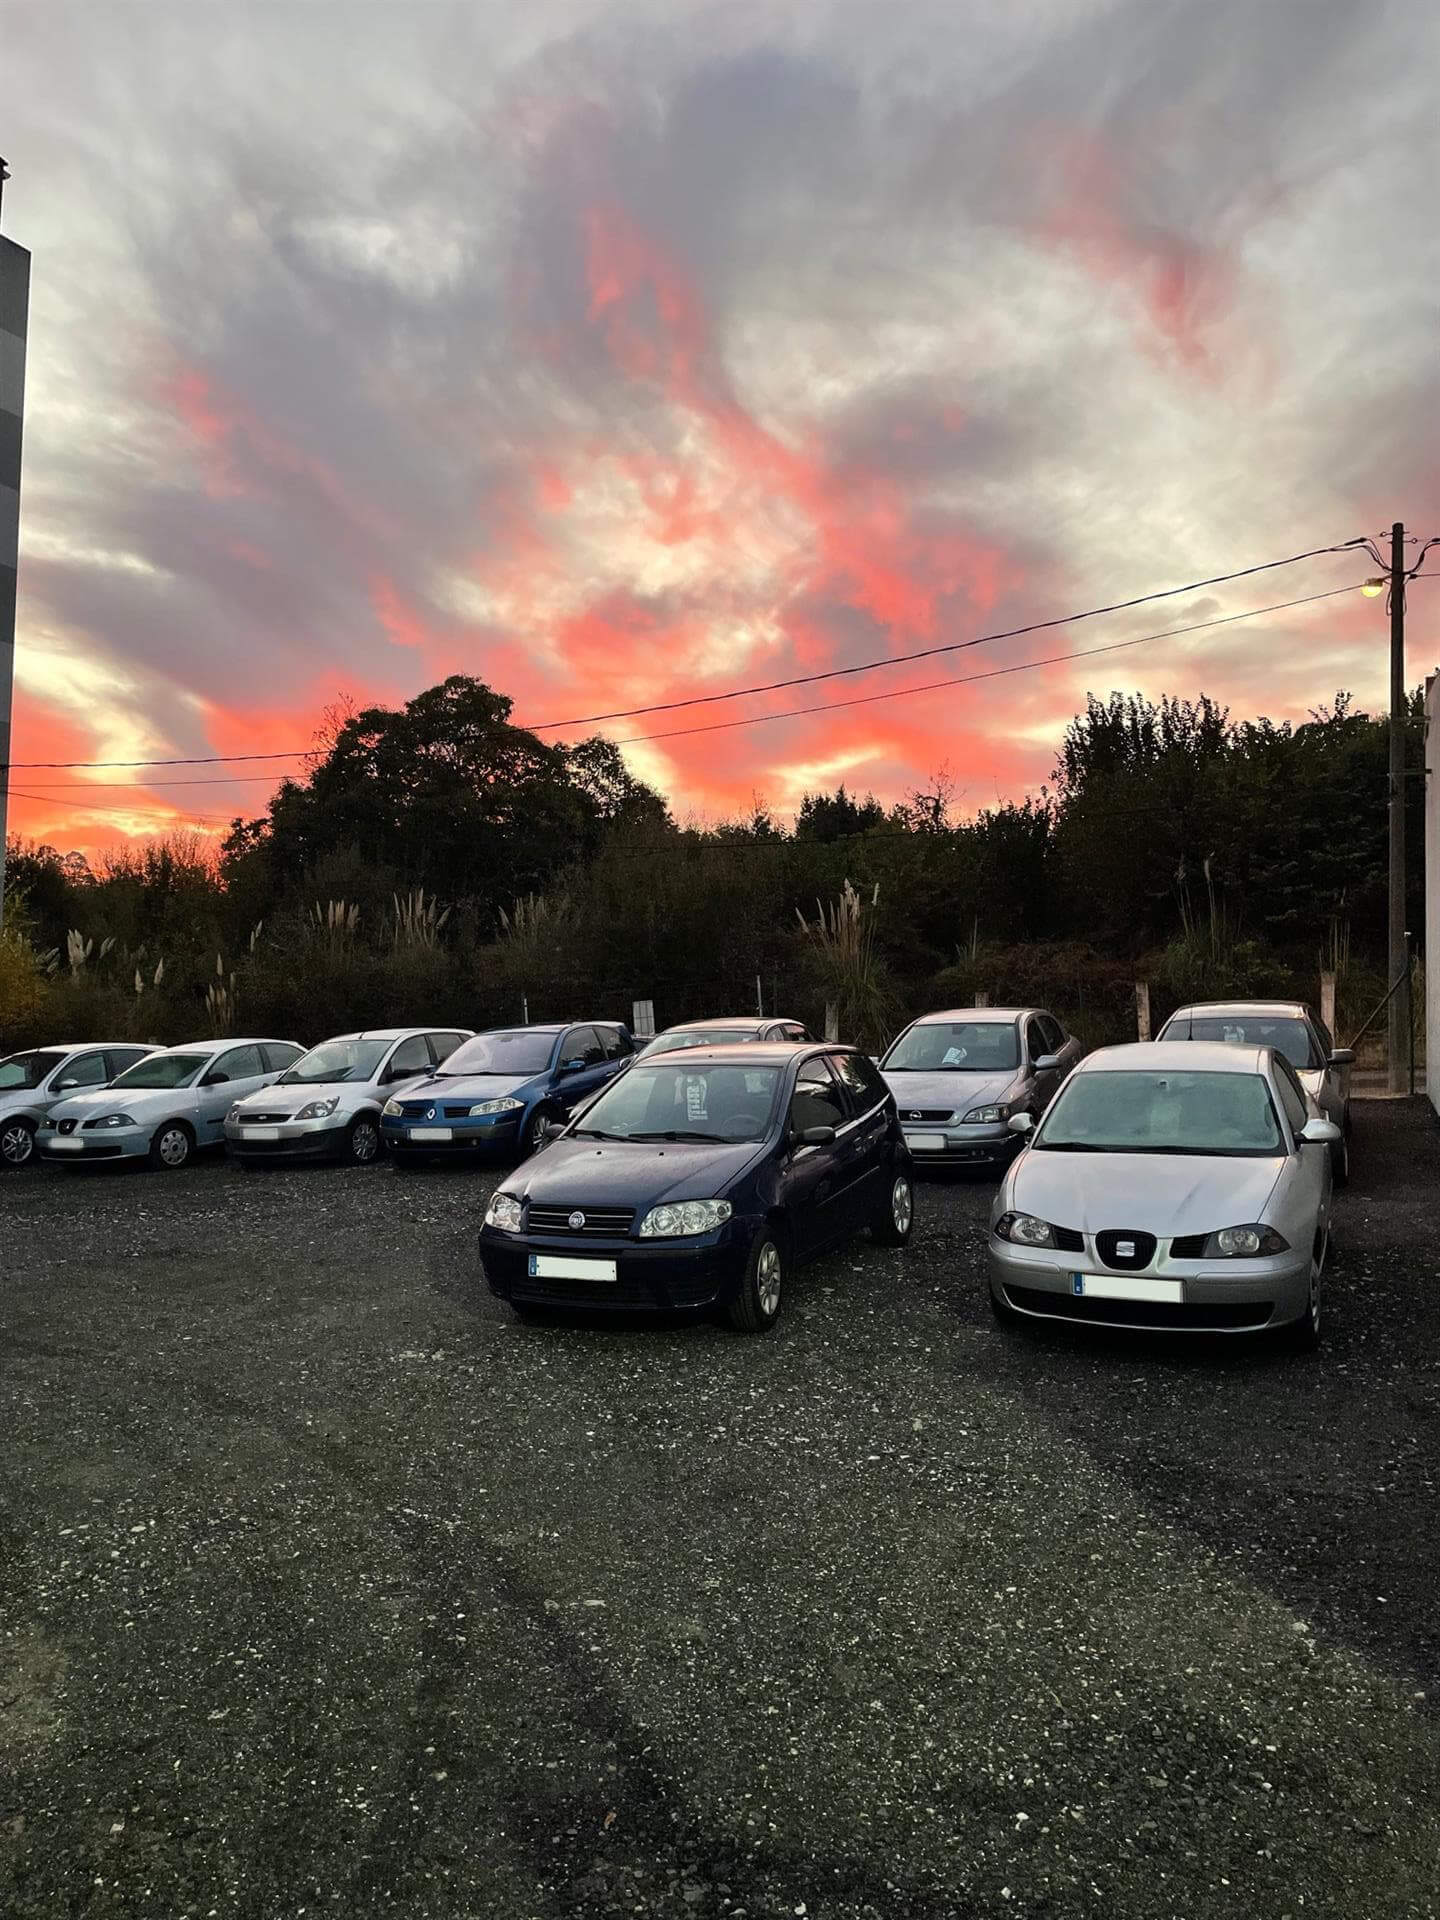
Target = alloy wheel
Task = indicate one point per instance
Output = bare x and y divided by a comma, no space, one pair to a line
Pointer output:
902,1204
17,1143
767,1280
364,1142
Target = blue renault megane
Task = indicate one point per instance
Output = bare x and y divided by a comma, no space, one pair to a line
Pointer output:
703,1179
498,1093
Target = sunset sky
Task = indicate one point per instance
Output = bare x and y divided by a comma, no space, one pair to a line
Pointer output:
619,352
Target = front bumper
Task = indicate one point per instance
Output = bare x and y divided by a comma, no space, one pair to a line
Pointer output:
88,1144
952,1144
495,1136
660,1275
289,1140
1217,1296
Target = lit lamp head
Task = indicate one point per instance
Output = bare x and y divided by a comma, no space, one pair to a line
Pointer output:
1372,589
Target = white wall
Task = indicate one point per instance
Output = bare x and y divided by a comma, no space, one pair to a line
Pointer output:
1432,891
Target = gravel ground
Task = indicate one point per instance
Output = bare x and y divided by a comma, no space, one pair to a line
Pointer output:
326,1587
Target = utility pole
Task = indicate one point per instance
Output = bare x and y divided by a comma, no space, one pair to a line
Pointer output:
14,305
1400,1011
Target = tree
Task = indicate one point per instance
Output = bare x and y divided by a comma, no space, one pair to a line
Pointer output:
837,816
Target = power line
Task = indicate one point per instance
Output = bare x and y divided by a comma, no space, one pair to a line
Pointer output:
832,706
771,686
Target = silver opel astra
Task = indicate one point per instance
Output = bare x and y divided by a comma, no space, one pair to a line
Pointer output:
1170,1185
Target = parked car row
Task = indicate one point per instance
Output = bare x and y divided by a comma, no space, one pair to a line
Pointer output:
1174,1184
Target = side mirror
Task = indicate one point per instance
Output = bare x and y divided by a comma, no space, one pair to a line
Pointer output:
1320,1133
66,1086
1047,1063
572,1066
215,1078
1019,1123
816,1137
1342,1057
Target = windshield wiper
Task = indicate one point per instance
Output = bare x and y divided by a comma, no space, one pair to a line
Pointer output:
711,1139
1075,1146
594,1133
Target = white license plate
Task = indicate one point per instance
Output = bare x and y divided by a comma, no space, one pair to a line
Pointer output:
925,1142
1109,1286
67,1146
555,1266
261,1133
432,1133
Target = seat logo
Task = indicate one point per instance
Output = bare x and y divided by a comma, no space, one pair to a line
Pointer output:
1124,1249
576,1220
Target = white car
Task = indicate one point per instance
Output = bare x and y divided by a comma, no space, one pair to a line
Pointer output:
327,1106
31,1083
167,1108
1182,1185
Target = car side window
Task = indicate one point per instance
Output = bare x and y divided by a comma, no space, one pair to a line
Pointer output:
1292,1095
616,1046
442,1045
119,1058
85,1070
278,1055
1324,1036
817,1101
1035,1042
240,1063
582,1044
1052,1033
865,1090
411,1056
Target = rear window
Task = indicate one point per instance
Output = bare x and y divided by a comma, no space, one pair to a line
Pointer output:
1288,1036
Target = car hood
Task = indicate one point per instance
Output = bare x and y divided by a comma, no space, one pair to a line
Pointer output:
623,1173
469,1086
137,1101
1163,1194
956,1092
289,1100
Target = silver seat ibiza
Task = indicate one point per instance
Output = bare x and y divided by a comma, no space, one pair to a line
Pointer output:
1180,1185
32,1082
327,1105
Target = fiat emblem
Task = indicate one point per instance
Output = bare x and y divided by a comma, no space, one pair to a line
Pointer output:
576,1220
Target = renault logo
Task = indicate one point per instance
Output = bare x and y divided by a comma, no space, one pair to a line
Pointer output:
429,1113
576,1220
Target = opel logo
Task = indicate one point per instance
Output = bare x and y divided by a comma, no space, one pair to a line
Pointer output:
576,1220
429,1113
913,1116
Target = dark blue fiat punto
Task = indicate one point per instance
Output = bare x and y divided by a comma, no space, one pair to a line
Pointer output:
702,1180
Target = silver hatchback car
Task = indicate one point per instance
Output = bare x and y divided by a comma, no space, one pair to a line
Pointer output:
1293,1030
1179,1186
959,1077
31,1083
327,1106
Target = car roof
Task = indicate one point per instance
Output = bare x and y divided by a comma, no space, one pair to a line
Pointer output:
1191,1056
230,1040
718,1021
1242,1009
78,1046
755,1053
978,1014
391,1033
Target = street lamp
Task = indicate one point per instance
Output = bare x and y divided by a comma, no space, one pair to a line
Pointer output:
1372,589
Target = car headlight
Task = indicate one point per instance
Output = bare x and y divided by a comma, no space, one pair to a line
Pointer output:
319,1109
393,1107
504,1212
111,1120
987,1116
1024,1230
1240,1243
684,1216
506,1105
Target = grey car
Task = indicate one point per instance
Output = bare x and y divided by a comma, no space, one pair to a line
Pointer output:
327,1105
1294,1030
723,1033
167,1107
959,1077
31,1083
1170,1185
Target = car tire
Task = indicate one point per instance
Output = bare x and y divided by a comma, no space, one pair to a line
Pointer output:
362,1142
756,1307
895,1221
1340,1161
1303,1335
530,1133
172,1147
17,1145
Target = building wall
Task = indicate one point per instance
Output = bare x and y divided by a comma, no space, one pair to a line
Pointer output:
1432,892
14,308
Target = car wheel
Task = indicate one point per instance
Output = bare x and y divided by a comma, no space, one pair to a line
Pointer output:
362,1143
895,1221
1303,1335
756,1307
532,1134
1340,1161
172,1146
17,1144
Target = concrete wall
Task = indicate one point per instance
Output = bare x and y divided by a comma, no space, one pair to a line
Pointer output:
14,308
1432,891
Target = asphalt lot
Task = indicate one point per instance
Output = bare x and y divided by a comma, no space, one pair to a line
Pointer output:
326,1587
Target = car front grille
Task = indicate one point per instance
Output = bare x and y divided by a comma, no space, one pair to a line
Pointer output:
1163,1315
1188,1246
628,1290
606,1223
65,1126
927,1113
1068,1240
1112,1248
263,1119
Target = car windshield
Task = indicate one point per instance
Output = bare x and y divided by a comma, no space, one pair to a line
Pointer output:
164,1070
1286,1034
722,1103
24,1070
335,1060
519,1053
956,1046
1163,1112
697,1037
